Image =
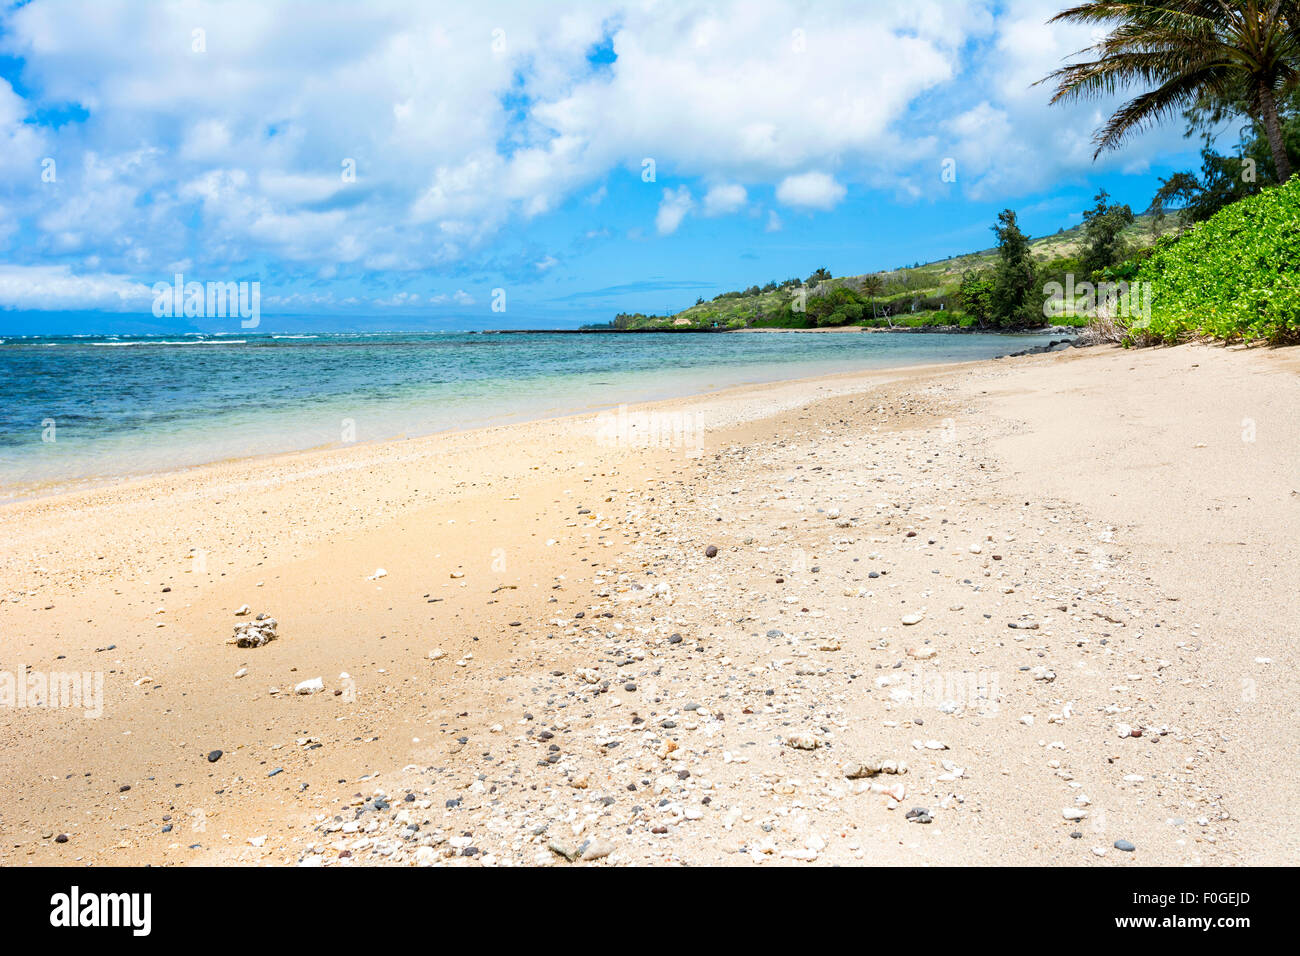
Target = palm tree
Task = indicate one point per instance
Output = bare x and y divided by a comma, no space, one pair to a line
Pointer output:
871,286
1184,51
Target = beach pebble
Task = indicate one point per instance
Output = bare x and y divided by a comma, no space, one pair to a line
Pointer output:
255,633
313,686
804,854
596,850
214,756
870,768
914,618
1125,846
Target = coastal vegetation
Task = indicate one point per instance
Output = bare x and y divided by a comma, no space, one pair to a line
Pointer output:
999,288
1234,277
1225,178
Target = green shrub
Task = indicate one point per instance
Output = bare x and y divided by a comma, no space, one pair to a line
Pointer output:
1234,277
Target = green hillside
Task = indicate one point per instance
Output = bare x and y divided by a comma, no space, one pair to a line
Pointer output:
910,296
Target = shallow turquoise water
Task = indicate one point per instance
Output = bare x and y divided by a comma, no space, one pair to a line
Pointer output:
91,407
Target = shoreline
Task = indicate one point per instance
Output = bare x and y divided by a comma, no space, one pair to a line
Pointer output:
287,457
938,329
16,493
603,685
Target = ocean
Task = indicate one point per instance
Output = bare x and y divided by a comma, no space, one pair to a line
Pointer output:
84,408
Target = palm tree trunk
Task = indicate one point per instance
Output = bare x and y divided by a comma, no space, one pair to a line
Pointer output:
1268,109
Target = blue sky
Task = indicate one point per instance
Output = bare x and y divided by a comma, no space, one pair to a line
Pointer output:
385,166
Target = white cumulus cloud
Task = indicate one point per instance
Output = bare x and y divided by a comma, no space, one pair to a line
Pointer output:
724,198
56,287
673,209
813,190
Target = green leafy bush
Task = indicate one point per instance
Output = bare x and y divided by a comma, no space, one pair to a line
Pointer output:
1234,277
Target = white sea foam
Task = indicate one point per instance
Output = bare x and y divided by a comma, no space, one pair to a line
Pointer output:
163,342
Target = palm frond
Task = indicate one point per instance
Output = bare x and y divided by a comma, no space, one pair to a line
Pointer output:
1178,52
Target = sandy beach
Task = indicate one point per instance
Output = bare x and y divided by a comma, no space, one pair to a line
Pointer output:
1038,610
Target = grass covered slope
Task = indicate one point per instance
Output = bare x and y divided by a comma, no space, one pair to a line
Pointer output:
1234,277
919,295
